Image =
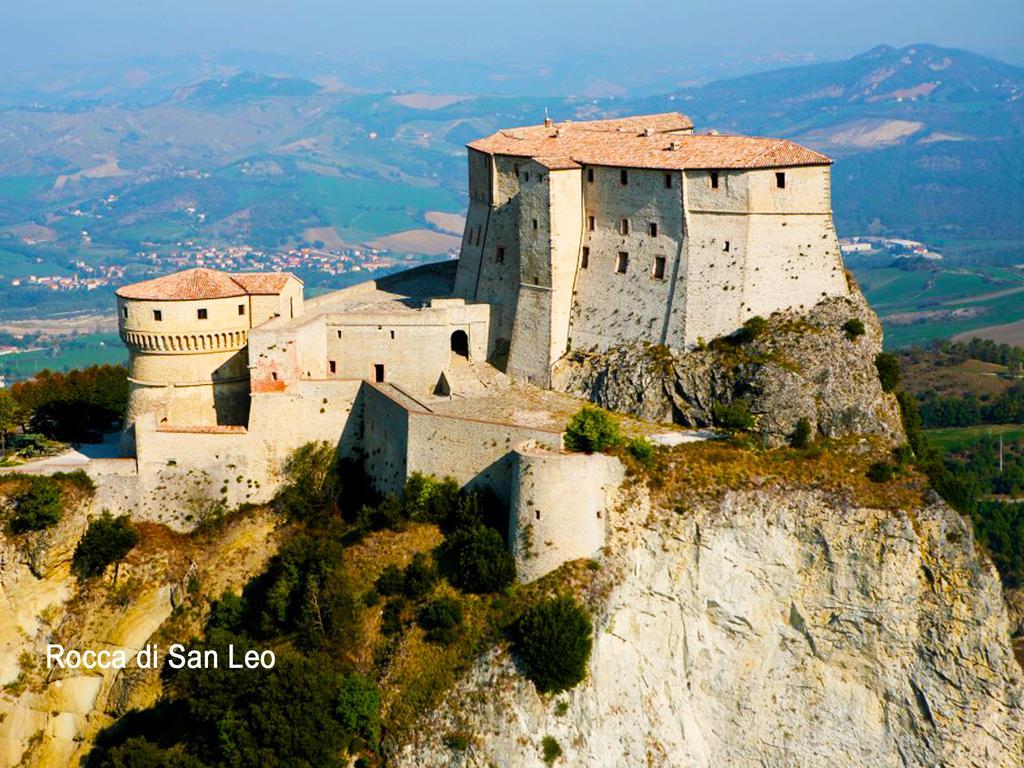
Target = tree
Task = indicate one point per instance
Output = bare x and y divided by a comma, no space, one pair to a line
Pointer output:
801,437
11,417
441,619
751,329
889,373
553,641
735,415
358,708
37,507
478,560
105,541
853,328
591,430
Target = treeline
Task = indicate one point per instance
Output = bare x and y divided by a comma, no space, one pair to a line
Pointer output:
985,350
968,411
77,406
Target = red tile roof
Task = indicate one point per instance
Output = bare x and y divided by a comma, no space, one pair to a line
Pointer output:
201,283
651,141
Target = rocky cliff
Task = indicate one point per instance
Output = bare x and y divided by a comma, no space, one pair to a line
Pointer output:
49,717
769,625
801,365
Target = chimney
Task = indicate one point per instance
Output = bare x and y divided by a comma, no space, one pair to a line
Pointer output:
548,122
648,132
674,146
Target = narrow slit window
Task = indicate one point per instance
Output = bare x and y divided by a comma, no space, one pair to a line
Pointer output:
241,309
652,229
392,334
659,268
526,176
590,175
201,314
124,310
624,176
158,315
499,255
622,263
668,181
624,226
591,224
585,258
780,180
726,246
714,179
378,372
535,225
333,366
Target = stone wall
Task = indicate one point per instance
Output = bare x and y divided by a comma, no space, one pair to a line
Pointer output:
558,507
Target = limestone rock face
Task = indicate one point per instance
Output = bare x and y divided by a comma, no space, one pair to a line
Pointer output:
802,365
767,628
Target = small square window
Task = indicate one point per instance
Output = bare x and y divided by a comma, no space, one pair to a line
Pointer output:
333,366
780,180
241,309
652,229
201,314
624,226
668,181
499,255
624,176
585,258
591,224
714,179
590,174
659,268
158,315
535,224
622,263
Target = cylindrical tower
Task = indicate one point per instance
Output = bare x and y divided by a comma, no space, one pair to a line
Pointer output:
186,335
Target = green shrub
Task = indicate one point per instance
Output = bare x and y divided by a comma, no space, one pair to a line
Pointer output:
105,541
392,621
79,479
553,641
853,328
478,560
881,472
889,373
550,749
358,708
641,449
441,618
391,581
751,329
733,416
801,437
37,507
457,741
591,430
420,576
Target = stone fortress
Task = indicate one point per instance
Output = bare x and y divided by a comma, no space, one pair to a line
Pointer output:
578,235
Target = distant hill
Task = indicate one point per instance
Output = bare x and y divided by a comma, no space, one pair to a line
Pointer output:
244,87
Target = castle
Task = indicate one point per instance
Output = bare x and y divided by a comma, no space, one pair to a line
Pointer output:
578,235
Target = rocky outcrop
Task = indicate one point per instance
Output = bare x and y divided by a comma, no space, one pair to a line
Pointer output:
766,628
802,365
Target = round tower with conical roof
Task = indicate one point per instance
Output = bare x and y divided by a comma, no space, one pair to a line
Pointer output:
187,336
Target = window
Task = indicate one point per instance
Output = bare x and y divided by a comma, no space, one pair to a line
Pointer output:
124,311
158,315
726,246
590,175
652,229
668,181
273,375
534,224
622,263
201,314
333,366
378,372
590,225
479,231
585,258
526,176
624,226
392,334
241,309
624,176
515,170
780,180
659,268
714,179
499,255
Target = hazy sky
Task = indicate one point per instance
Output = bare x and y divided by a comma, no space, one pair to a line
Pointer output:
34,33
